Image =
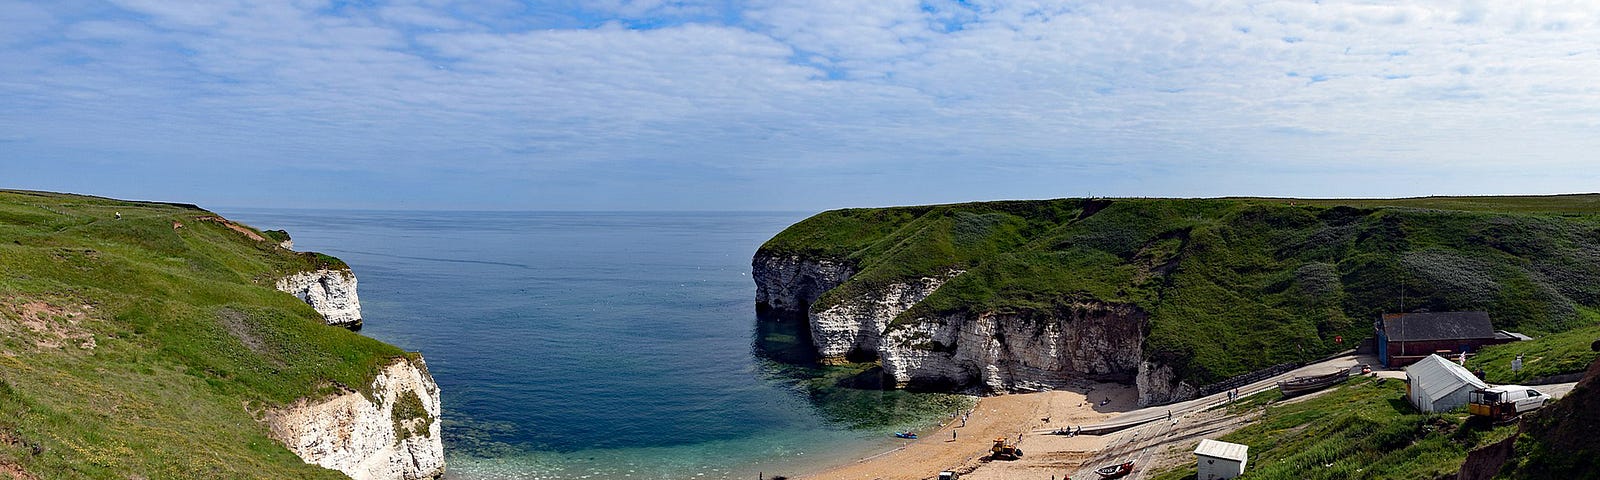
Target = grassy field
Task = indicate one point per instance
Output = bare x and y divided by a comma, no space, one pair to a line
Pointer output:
1267,280
1560,353
145,346
1363,429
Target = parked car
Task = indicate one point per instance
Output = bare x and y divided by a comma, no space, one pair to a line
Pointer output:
1505,401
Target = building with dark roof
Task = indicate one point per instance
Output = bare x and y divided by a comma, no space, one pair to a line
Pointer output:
1404,338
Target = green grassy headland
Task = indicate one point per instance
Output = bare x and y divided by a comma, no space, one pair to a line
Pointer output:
145,347
1232,285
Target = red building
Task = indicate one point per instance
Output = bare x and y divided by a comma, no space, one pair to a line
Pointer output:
1404,338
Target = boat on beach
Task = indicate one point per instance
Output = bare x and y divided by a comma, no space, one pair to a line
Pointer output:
1311,383
1116,471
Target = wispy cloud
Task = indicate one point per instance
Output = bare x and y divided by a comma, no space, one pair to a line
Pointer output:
511,105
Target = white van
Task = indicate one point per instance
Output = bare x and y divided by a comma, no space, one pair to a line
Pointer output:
1505,401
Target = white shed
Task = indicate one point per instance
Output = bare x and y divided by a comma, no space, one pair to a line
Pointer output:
1219,460
1434,384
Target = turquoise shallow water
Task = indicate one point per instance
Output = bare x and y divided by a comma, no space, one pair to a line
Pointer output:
598,345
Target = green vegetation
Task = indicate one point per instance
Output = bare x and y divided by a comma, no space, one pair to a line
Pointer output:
410,417
1267,280
279,236
1557,442
146,346
1363,429
1561,353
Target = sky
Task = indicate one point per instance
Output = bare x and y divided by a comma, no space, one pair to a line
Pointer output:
792,105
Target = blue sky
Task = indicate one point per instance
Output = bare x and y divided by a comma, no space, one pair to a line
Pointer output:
792,105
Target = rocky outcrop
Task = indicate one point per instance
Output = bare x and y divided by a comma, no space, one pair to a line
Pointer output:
393,434
331,292
993,352
984,352
1159,384
853,329
787,285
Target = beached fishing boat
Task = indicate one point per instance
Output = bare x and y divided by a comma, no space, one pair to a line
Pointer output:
909,435
1116,471
1311,383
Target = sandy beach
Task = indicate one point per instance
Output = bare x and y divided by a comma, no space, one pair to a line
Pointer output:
1158,438
1008,416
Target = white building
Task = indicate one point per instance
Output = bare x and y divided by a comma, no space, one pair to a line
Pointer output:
1219,460
1434,384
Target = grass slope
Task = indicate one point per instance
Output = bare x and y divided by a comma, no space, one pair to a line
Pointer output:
1364,429
137,348
1266,280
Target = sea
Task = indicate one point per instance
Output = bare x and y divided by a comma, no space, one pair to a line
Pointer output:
604,345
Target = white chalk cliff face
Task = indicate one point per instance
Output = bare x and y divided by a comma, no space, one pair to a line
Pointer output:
852,330
393,436
331,292
983,352
787,285
1158,384
993,352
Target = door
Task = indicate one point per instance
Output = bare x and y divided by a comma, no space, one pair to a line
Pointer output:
1531,400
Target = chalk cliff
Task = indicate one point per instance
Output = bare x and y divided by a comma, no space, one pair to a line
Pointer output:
982,352
996,352
853,329
393,434
388,432
787,285
332,292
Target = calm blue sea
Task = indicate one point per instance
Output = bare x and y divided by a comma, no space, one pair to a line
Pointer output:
590,345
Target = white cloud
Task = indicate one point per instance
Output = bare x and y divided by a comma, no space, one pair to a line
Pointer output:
1001,88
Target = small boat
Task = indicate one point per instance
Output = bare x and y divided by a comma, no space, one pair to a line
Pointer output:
1116,471
909,435
1311,383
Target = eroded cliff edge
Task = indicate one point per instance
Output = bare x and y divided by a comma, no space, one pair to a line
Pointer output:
391,432
1171,295
980,352
330,291
147,340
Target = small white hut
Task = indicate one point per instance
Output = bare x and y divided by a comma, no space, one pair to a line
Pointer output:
1218,460
1434,384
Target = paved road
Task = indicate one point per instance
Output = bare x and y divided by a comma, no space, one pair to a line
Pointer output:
1144,421
1160,412
1148,414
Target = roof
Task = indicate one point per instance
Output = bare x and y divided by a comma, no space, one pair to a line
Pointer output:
1412,327
1514,336
1437,377
1223,450
1507,388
